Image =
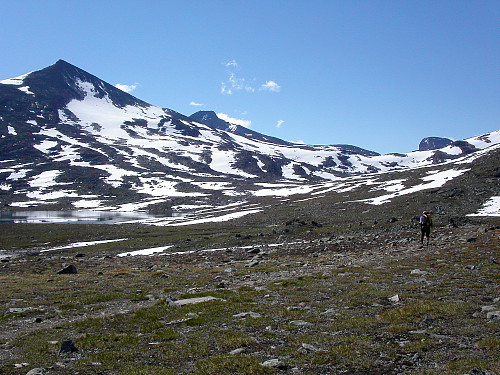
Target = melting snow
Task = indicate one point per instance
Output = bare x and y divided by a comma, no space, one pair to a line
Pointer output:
151,251
83,244
17,81
490,208
435,179
44,179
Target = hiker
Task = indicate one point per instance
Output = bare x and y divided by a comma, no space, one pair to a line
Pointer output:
425,226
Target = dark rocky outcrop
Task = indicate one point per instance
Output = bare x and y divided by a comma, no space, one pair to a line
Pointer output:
433,143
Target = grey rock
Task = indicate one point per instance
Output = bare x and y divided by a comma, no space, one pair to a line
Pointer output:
252,263
477,371
19,310
493,315
310,348
71,269
426,322
68,346
330,312
250,314
488,308
36,371
300,323
237,351
193,301
418,272
274,363
394,298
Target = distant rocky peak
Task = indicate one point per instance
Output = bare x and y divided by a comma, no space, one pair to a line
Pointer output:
62,82
211,119
433,143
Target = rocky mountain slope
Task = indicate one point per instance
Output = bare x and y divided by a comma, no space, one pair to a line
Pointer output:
70,140
433,143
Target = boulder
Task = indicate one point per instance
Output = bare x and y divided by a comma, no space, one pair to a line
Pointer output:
68,346
36,371
71,269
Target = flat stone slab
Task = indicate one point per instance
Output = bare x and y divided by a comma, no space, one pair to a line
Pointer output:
193,301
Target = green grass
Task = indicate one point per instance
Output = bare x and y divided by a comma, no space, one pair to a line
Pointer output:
352,321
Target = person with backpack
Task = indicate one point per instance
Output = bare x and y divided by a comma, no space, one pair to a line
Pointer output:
425,226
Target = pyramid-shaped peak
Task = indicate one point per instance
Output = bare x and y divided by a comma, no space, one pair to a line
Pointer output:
62,83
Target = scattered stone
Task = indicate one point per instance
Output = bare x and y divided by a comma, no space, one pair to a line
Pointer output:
394,298
493,315
67,346
250,314
478,371
308,348
301,323
473,239
36,371
193,301
418,272
71,269
237,351
275,363
252,263
330,312
426,322
221,285
19,310
488,308
178,321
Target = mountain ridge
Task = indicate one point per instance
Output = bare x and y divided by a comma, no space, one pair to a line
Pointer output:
70,139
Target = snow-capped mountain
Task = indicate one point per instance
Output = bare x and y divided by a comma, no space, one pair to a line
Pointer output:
69,139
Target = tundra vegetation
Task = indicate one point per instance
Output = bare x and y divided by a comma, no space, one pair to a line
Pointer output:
298,296
309,284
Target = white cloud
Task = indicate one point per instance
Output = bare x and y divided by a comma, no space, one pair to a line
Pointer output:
235,121
270,86
231,63
196,104
126,88
235,83
280,122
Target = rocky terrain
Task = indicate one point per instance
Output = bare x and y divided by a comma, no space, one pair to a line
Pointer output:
299,297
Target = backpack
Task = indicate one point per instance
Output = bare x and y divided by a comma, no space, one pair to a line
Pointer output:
425,221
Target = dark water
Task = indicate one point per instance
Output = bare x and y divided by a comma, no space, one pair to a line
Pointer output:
72,217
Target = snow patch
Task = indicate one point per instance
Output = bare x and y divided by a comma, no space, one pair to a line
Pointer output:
150,251
83,244
435,179
490,208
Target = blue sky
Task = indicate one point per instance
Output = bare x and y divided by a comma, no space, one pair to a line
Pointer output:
376,74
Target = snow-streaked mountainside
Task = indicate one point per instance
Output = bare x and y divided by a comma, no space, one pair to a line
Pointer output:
69,139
